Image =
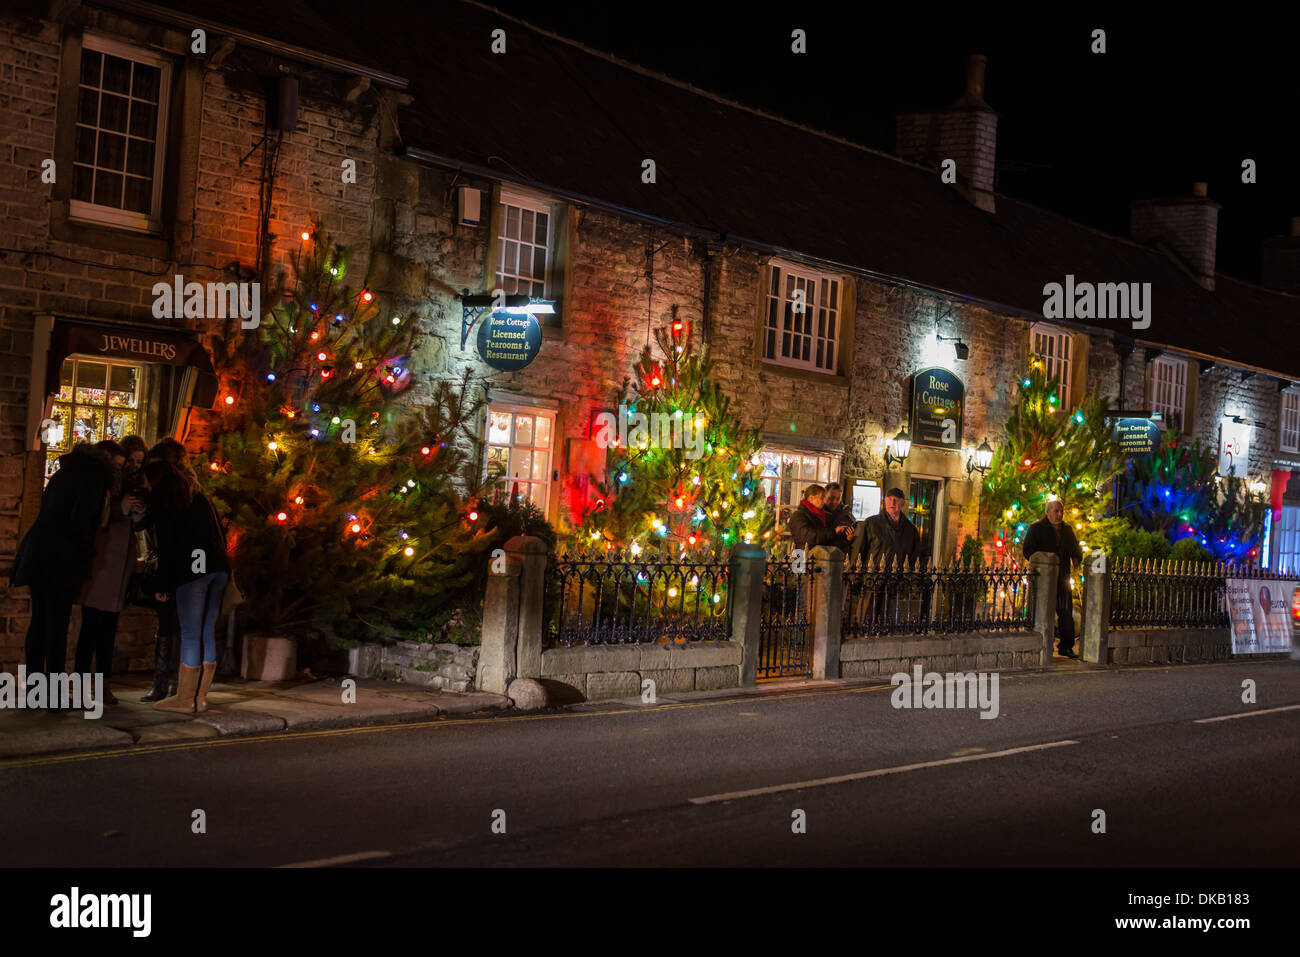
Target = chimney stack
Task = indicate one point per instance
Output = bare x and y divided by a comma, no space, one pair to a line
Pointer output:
1187,226
965,132
1282,261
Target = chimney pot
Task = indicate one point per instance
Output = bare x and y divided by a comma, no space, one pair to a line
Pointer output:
975,64
1199,189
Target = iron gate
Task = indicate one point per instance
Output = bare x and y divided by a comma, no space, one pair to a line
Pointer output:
785,631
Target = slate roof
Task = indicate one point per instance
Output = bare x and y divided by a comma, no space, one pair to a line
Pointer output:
552,113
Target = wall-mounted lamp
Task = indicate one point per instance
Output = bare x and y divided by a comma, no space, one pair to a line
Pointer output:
980,459
898,448
959,348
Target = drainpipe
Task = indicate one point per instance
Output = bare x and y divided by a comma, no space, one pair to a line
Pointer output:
707,310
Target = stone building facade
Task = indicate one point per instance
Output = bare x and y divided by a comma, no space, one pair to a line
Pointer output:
254,141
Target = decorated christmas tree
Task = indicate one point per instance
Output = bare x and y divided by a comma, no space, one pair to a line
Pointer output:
1049,451
1176,491
683,479
344,502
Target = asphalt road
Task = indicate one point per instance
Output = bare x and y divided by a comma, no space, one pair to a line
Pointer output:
619,785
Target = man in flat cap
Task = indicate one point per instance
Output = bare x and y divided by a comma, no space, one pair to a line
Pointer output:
888,535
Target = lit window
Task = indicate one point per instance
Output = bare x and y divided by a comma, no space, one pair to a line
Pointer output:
97,400
787,472
121,126
524,227
1052,347
1169,389
801,327
519,443
1289,433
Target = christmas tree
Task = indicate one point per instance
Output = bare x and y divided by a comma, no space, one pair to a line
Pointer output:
344,503
1050,452
1175,490
683,479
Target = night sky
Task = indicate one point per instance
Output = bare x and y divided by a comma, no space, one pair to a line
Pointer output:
1168,104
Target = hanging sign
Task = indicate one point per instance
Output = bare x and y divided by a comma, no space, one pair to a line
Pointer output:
1234,448
938,400
509,340
1137,436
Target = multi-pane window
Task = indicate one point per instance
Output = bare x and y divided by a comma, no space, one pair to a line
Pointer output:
1169,389
524,241
1289,433
1287,533
1052,347
787,472
121,125
519,453
801,327
97,400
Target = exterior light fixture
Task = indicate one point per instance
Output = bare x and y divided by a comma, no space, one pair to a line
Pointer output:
898,448
980,459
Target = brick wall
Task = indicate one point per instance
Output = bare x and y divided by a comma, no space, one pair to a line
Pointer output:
103,279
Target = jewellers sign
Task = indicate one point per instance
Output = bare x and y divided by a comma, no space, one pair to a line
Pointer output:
509,340
938,401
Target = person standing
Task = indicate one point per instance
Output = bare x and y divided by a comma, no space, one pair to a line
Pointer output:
889,535
103,594
192,565
167,632
839,516
809,525
55,555
1052,534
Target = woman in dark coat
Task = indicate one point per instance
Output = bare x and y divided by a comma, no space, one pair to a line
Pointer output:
56,553
167,633
192,565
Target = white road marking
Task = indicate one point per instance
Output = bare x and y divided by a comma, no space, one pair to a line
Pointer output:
342,859
874,773
1247,714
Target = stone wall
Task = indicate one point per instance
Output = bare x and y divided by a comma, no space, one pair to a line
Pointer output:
1142,646
603,671
885,657
445,667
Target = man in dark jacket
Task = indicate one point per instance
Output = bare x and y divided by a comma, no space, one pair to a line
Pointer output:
888,536
810,525
55,556
839,515
1052,534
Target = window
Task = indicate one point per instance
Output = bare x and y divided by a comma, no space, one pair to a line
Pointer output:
1052,347
519,453
1289,432
1287,533
524,235
802,322
1169,389
120,131
97,400
787,472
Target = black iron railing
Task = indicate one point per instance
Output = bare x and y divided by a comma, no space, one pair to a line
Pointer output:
618,599
893,598
1149,593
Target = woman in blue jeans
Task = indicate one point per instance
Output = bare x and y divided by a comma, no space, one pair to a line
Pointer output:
192,565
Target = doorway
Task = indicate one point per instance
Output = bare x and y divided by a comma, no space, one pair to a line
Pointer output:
924,493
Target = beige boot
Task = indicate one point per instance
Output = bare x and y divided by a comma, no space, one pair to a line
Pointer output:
183,699
205,682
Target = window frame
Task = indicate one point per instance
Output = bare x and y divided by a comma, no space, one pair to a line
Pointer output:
1174,364
835,471
1293,394
777,270
515,409
1064,339
81,211
537,204
78,359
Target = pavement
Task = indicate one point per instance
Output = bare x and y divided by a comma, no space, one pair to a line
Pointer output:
235,707
239,707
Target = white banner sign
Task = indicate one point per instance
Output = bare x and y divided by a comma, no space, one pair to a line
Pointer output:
1260,613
